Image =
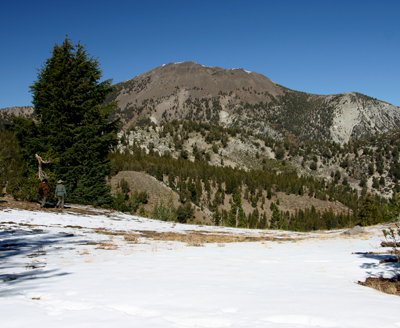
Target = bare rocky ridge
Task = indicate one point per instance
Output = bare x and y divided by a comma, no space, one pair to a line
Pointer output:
357,117
235,97
7,113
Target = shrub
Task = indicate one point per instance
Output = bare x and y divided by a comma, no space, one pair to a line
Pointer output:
119,203
184,212
124,185
123,203
164,209
142,212
375,183
280,153
184,154
313,166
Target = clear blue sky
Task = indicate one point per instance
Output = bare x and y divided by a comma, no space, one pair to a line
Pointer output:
321,46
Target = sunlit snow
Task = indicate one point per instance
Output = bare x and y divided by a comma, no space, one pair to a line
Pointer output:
62,270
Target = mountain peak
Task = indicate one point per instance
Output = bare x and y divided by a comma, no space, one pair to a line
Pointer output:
236,97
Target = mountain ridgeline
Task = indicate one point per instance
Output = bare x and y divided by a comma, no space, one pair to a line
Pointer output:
238,98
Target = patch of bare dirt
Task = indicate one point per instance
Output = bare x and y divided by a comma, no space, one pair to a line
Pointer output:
9,202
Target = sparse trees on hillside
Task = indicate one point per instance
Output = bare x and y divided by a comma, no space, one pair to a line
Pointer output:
206,185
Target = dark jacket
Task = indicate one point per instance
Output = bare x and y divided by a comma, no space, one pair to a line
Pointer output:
46,189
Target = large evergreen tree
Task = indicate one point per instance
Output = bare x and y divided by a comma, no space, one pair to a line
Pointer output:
71,127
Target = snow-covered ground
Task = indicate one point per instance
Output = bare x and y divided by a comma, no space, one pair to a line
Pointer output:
57,271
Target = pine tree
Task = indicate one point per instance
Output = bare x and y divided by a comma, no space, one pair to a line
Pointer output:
184,212
217,218
237,216
369,211
242,220
233,214
263,221
275,218
71,126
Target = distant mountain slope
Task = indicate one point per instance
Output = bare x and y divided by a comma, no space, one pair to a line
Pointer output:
235,97
6,113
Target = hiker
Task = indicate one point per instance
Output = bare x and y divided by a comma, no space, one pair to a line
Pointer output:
60,193
44,191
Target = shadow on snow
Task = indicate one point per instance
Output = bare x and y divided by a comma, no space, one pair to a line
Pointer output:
23,257
386,264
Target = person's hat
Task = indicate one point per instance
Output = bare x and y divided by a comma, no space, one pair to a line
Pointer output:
60,181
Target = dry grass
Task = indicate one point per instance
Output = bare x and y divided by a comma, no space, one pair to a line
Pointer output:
131,237
389,244
34,266
195,241
107,246
84,252
103,231
73,227
205,237
384,285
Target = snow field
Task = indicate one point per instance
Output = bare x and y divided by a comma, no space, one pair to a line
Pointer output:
57,272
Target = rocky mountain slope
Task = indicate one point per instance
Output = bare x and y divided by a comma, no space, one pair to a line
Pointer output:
202,163
360,165
6,113
235,97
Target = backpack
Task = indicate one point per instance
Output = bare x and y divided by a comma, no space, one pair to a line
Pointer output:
41,192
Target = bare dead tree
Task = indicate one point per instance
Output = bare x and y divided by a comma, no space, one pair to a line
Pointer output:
41,174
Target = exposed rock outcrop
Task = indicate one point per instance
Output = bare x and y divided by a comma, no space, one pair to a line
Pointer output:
7,113
357,116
